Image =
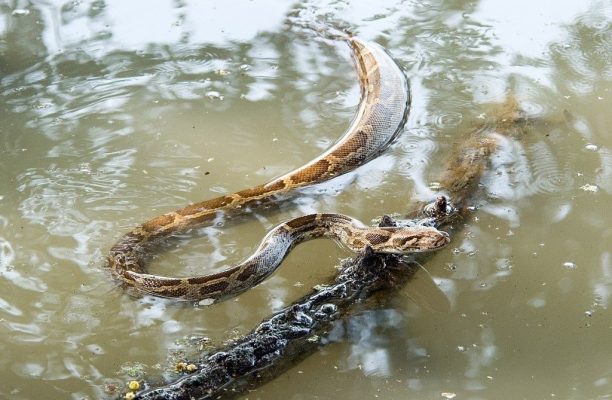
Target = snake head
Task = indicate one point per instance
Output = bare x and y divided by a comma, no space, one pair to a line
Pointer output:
413,240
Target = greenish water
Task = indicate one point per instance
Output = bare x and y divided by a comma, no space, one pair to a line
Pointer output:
114,112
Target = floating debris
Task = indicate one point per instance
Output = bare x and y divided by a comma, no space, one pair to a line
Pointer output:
589,188
133,386
184,367
313,339
111,388
134,370
18,12
214,95
569,265
180,366
206,302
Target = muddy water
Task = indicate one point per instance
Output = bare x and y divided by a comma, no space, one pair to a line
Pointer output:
113,112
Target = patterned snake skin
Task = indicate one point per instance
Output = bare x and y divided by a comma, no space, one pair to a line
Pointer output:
380,117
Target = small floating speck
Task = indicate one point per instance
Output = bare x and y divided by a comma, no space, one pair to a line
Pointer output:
223,72
588,313
41,106
461,349
313,339
211,159
18,12
206,302
591,147
133,385
589,188
110,388
214,95
85,168
569,265
245,67
448,395
435,185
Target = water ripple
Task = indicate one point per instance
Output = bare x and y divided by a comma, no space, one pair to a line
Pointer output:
7,254
9,308
549,175
519,172
604,177
418,151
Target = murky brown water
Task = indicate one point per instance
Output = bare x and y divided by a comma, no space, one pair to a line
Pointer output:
113,112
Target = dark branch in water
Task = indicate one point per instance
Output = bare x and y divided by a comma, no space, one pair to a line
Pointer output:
295,332
286,337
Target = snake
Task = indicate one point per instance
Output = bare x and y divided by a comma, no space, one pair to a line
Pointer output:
380,117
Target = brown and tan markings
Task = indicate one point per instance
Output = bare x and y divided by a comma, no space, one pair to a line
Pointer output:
381,115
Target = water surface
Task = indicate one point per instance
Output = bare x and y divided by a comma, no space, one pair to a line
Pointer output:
114,112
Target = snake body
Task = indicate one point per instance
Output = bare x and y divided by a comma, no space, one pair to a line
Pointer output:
381,115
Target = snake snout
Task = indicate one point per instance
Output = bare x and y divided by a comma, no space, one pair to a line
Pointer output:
432,239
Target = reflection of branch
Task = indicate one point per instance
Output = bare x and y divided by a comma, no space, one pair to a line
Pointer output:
295,332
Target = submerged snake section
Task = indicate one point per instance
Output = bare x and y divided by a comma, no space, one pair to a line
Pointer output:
381,115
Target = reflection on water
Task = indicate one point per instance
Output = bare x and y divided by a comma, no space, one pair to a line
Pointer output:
113,112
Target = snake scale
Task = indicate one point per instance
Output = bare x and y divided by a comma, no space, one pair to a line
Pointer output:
381,115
